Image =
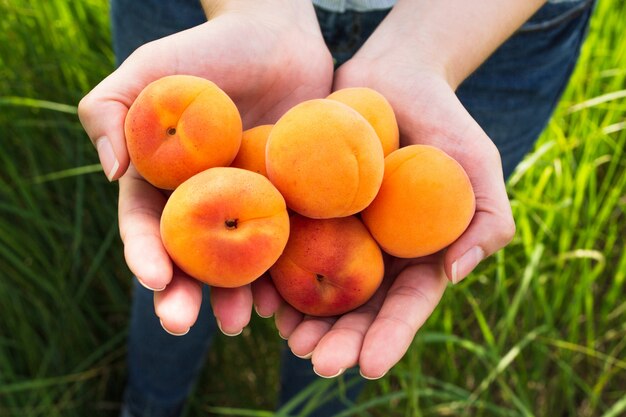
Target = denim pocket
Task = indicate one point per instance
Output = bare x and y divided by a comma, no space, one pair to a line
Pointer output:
555,13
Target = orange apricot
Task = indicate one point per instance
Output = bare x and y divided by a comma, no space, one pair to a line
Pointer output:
251,155
376,109
325,159
329,266
425,202
225,226
180,125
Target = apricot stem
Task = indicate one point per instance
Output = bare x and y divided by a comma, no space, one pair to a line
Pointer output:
171,131
319,277
231,223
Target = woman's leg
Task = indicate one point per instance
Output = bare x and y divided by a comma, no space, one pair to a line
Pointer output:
162,368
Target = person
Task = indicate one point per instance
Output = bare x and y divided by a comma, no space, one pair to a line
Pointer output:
476,79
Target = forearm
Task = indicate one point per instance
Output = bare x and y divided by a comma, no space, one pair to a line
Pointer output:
451,36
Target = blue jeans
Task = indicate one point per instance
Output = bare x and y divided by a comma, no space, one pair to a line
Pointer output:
512,96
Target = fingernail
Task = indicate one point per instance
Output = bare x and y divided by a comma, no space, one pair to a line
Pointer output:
281,336
261,315
307,356
341,371
372,378
466,263
219,325
143,284
172,333
107,157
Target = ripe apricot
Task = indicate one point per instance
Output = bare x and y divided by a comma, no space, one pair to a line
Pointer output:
225,226
180,125
251,155
325,159
376,109
329,266
425,203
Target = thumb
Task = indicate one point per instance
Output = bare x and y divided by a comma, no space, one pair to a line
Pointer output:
492,226
103,118
487,233
103,110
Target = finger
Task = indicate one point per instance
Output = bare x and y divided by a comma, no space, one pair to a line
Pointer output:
232,308
103,110
103,121
178,305
102,113
266,298
487,233
287,319
139,211
492,226
339,348
410,301
307,334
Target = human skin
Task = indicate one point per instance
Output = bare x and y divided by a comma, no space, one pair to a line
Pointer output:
416,58
288,62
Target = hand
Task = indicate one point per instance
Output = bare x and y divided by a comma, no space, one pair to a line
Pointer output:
377,335
268,56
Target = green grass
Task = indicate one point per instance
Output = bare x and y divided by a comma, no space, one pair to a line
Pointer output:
539,329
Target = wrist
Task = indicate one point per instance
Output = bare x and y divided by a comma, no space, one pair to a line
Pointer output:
279,16
446,37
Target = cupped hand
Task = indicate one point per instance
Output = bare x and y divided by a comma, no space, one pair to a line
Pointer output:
376,336
267,56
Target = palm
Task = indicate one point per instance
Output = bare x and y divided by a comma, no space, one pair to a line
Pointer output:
430,113
266,66
264,77
376,335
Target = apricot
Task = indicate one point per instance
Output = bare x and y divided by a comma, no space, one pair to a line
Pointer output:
251,155
425,203
225,226
376,109
180,125
329,266
325,159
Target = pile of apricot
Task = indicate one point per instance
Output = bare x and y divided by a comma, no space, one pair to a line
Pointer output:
313,199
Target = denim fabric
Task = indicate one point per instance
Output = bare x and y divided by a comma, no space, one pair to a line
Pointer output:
354,5
512,96
514,93
162,368
369,5
346,32
135,22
